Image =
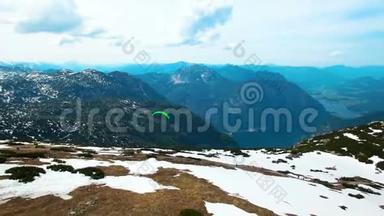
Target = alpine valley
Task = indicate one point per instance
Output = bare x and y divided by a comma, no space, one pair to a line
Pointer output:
69,144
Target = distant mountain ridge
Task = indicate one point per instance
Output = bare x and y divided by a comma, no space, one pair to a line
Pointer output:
288,71
32,105
201,88
352,101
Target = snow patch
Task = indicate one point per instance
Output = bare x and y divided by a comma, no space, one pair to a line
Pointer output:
2,146
221,209
176,79
58,184
136,184
352,136
375,131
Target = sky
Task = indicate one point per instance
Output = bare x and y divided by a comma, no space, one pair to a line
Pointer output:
283,32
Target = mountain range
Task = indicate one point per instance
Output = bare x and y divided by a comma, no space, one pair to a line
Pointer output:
33,96
68,107
202,88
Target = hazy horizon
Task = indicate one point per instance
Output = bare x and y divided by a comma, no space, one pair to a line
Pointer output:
273,32
180,62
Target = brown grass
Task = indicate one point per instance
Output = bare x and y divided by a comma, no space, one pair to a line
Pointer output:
114,170
201,189
102,200
99,200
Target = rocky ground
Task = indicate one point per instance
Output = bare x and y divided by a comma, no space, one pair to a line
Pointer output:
168,182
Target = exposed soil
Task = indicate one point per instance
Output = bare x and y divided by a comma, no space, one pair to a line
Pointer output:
101,200
114,170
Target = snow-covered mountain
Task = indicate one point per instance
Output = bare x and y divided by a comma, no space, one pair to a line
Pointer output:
309,179
201,88
32,106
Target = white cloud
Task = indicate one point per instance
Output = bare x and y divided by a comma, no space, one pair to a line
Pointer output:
200,26
5,21
69,40
55,16
294,32
336,53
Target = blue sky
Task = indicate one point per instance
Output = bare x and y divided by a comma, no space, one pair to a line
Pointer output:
285,32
